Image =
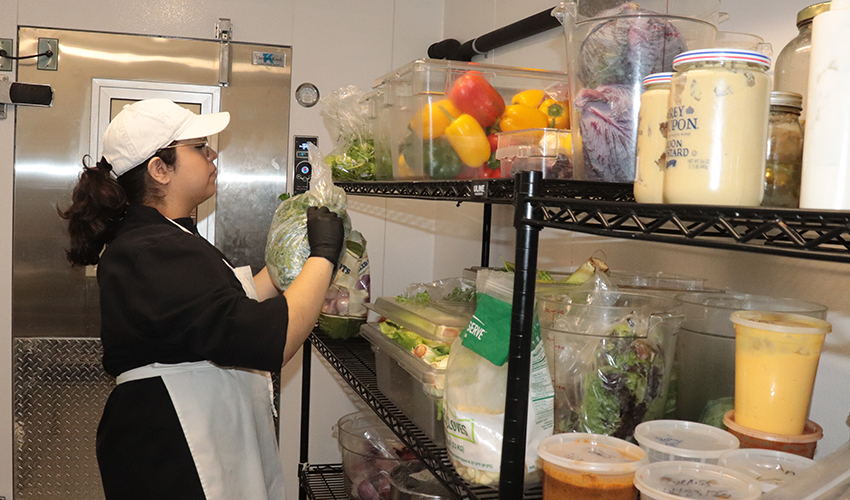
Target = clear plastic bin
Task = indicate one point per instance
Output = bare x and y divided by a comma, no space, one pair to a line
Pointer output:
671,440
428,321
412,385
546,150
419,116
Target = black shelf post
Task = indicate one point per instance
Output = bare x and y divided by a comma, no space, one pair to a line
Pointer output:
512,468
305,416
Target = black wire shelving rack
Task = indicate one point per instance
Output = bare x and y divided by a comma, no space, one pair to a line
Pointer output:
605,209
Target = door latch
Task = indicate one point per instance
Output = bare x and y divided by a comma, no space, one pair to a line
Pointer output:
223,33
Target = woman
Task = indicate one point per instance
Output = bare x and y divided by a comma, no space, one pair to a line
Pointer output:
189,338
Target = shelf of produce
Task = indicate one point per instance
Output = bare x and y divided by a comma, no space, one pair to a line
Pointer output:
497,191
354,360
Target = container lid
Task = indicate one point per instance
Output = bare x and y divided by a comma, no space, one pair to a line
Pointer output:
413,481
426,320
657,78
591,453
790,99
771,468
811,11
781,322
416,367
721,54
676,480
685,439
812,432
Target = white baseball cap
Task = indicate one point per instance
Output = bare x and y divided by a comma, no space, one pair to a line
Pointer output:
144,127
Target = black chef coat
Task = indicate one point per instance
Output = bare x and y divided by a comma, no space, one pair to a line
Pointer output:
168,296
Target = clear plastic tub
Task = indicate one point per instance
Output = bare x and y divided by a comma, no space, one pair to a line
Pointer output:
578,466
677,480
546,150
370,451
413,481
706,345
670,440
804,445
428,321
407,381
772,468
419,116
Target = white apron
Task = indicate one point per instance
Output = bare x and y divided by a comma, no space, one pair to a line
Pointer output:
226,416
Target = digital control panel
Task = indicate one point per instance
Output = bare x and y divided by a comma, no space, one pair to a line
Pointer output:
303,169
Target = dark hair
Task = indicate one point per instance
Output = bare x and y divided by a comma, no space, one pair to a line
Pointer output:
99,201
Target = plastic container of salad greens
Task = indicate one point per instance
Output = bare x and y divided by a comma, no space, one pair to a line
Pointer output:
424,319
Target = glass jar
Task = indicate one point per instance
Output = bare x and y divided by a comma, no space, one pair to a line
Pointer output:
718,111
792,66
652,139
784,166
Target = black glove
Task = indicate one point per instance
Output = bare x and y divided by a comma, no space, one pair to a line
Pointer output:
325,234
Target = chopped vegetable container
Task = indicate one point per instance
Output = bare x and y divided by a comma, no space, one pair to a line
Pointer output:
772,468
546,150
426,320
666,440
409,382
676,480
444,114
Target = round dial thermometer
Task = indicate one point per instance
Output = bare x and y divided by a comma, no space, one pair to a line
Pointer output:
307,95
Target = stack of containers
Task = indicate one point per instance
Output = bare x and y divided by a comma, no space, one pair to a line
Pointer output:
443,115
407,372
776,360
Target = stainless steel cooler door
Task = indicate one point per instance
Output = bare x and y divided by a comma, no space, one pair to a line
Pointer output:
49,297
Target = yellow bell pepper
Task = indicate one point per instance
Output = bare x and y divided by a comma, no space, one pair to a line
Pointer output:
404,170
557,113
518,117
469,141
531,98
431,121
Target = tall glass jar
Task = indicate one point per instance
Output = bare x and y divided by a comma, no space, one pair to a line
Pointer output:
792,66
784,166
652,139
717,128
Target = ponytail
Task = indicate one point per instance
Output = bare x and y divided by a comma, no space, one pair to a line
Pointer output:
98,203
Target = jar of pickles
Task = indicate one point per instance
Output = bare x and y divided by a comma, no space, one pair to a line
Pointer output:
717,128
784,167
652,139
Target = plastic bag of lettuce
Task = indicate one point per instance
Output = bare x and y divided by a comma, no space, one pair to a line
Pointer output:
287,248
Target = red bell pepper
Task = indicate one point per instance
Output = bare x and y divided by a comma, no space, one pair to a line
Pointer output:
472,94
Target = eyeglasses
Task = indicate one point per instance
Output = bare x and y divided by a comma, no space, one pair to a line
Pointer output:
202,145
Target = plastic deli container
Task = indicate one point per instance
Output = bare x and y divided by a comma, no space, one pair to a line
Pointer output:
546,150
579,466
804,445
370,451
776,360
428,321
675,480
442,113
772,468
670,440
410,383
413,481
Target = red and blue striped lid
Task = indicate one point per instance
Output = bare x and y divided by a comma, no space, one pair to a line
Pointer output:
721,54
657,78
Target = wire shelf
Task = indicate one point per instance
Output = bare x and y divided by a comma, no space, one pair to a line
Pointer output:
354,360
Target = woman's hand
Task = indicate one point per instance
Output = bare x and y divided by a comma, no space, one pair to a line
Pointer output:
325,233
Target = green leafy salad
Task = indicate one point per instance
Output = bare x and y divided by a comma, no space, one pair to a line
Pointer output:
432,352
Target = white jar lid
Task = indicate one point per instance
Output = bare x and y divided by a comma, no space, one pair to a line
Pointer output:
657,78
677,480
771,467
707,55
685,439
591,453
